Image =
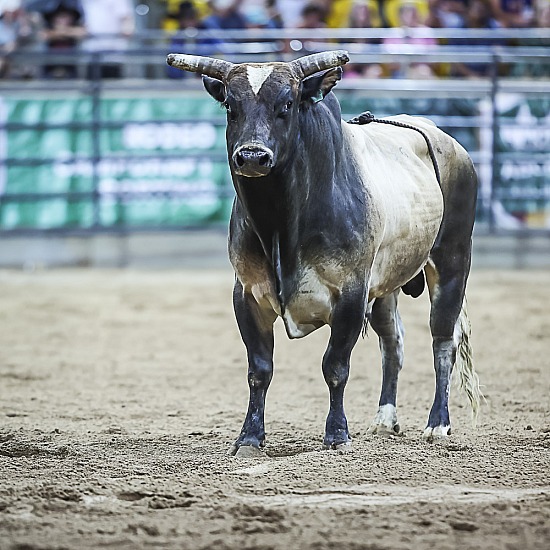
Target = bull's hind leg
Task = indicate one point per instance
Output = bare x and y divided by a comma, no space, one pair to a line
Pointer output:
386,322
446,284
446,274
256,327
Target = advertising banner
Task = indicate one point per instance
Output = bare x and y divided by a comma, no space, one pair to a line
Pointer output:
146,161
152,162
522,181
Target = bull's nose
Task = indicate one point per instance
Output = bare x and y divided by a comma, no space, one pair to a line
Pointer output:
252,161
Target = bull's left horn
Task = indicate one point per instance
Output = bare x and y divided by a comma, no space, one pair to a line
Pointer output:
317,62
216,68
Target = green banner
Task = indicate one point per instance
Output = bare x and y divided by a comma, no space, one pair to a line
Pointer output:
153,166
523,166
161,161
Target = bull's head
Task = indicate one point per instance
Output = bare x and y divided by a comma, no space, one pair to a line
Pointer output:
263,101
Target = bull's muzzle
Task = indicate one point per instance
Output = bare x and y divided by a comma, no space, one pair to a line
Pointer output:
252,161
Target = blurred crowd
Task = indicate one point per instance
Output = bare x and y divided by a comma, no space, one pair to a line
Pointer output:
238,14
64,26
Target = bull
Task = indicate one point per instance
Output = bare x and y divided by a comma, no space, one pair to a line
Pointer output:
331,220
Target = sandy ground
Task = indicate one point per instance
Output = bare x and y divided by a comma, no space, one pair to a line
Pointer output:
121,391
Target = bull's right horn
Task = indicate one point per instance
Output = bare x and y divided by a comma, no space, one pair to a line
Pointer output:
216,68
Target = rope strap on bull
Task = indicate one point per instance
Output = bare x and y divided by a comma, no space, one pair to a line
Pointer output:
367,117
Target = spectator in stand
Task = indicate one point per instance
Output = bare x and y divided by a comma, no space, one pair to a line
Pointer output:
313,17
360,15
9,32
62,34
170,22
274,14
480,15
109,24
361,18
225,15
447,14
290,11
410,18
542,13
260,14
338,13
385,13
188,17
17,29
513,13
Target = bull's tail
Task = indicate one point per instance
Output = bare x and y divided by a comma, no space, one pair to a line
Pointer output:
465,375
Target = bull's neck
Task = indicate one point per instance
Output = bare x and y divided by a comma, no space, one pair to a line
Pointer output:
267,207
301,183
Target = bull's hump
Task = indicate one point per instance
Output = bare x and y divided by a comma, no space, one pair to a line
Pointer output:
257,75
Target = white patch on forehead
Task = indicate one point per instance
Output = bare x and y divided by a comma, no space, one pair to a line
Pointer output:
257,76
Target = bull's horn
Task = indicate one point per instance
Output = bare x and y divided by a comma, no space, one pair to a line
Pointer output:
316,62
216,68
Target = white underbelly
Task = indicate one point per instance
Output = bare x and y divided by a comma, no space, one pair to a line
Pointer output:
309,308
306,309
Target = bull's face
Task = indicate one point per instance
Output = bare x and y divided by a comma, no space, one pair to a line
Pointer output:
263,101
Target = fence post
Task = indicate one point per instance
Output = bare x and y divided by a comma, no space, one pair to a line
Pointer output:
95,76
495,131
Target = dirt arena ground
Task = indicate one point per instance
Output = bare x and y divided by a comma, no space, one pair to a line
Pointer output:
121,391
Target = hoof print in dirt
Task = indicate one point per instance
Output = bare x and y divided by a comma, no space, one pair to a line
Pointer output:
246,451
381,430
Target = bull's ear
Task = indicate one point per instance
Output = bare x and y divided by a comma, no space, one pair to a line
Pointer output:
214,87
316,87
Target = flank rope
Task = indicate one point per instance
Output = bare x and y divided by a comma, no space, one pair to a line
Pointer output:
367,117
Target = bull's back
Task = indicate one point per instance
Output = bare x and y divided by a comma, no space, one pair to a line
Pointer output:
400,178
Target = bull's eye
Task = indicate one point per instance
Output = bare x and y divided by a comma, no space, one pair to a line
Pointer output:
285,109
230,112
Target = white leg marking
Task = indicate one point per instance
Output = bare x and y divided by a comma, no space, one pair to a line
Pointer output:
439,432
257,76
385,422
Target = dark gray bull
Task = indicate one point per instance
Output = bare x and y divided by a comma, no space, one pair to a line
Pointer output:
330,221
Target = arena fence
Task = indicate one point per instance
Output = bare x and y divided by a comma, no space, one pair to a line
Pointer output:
147,151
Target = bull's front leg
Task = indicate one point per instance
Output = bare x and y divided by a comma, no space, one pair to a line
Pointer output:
347,321
256,328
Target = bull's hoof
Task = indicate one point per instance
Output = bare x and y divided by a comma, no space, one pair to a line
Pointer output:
437,433
385,422
340,440
343,447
